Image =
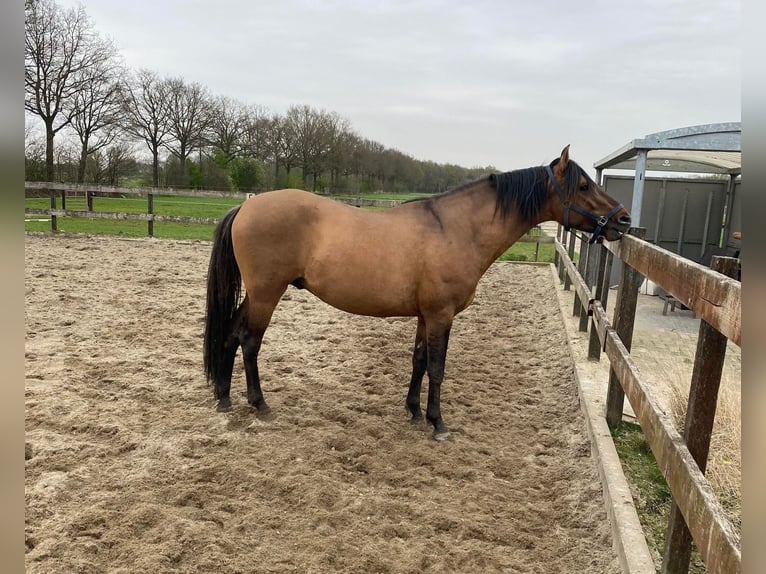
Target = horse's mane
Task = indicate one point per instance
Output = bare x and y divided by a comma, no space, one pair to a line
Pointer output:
527,189
523,189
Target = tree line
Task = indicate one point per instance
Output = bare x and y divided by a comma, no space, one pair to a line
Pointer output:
96,115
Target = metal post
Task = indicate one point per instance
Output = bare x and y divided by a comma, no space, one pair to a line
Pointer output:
682,226
660,211
638,187
707,223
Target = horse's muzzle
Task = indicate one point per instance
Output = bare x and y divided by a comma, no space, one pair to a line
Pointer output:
614,230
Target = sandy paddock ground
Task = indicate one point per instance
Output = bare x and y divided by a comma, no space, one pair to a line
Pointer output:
130,468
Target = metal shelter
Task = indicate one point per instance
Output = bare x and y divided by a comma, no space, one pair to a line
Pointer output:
694,208
708,148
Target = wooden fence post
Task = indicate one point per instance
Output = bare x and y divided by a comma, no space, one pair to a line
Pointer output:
591,270
150,211
562,267
54,222
624,318
538,233
89,199
570,251
700,415
582,268
601,255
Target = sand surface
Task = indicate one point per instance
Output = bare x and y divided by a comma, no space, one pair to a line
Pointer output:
130,468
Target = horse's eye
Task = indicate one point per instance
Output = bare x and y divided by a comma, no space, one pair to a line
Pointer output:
584,187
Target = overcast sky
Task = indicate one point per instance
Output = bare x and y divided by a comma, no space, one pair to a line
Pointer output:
503,83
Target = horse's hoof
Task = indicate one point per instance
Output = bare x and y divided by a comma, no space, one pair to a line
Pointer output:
441,436
223,406
263,411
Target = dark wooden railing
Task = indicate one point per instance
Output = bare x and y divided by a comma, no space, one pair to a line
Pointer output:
715,297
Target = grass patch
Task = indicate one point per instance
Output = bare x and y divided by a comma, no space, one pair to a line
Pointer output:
651,493
724,465
124,228
162,205
523,251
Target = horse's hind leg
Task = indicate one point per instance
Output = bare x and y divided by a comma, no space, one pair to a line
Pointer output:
251,334
222,383
222,386
419,356
251,345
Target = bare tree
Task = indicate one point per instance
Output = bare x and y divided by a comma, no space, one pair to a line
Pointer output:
189,111
118,157
65,161
256,134
283,144
60,46
96,109
145,105
311,132
34,153
341,146
227,126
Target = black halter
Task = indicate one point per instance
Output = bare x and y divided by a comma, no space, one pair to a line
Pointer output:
601,220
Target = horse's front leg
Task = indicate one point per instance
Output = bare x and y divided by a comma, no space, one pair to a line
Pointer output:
419,361
437,339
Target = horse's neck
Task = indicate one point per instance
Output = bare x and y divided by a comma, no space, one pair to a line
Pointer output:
480,225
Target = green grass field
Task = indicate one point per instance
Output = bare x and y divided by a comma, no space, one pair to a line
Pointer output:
191,207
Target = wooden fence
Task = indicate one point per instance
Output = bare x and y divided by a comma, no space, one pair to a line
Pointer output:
715,297
57,192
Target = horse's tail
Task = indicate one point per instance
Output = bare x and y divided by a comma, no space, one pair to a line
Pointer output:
224,285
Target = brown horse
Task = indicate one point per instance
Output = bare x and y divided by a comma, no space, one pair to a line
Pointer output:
422,258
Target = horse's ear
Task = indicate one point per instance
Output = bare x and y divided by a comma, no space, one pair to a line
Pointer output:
564,159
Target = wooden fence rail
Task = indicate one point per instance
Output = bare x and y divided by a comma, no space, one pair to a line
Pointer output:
715,297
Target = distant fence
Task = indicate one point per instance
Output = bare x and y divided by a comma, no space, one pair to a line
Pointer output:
58,193
715,297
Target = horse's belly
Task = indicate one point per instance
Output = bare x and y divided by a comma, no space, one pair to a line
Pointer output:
363,298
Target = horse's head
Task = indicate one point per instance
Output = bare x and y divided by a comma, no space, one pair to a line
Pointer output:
578,201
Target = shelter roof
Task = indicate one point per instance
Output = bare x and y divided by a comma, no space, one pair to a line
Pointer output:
708,148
